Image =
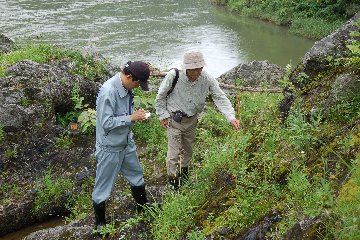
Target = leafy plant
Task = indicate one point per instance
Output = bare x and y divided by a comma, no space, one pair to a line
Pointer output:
11,153
300,132
108,229
77,99
78,205
63,142
51,191
25,102
87,120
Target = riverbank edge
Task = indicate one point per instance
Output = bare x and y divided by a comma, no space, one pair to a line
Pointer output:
298,23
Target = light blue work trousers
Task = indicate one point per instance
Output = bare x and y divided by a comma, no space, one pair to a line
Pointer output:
108,166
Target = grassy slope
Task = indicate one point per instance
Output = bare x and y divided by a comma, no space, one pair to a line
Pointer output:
300,169
277,167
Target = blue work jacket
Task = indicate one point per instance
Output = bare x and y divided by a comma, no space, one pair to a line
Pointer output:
114,106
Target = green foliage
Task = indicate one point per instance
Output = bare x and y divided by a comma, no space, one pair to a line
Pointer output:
177,215
240,82
2,133
25,102
108,229
9,191
214,122
79,206
195,235
77,99
303,199
85,66
347,207
143,99
64,141
86,117
267,170
131,222
250,205
314,27
65,120
51,191
87,120
301,133
285,82
72,116
310,18
11,152
151,134
346,109
354,47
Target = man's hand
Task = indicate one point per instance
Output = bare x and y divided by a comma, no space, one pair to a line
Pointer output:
138,115
236,124
164,123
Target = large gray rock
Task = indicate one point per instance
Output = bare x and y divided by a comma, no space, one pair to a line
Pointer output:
316,74
6,44
254,74
31,96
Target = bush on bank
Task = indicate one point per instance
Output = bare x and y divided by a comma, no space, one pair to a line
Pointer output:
310,18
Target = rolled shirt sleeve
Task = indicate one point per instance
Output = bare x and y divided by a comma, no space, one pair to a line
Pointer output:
221,101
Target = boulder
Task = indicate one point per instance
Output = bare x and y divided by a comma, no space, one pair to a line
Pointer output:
253,74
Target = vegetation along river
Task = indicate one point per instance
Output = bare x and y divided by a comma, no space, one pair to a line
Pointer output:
158,31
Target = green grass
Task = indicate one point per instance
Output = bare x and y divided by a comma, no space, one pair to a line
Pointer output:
85,66
347,207
313,19
51,191
272,171
314,27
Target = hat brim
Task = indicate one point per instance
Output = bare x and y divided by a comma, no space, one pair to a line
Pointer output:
144,86
193,65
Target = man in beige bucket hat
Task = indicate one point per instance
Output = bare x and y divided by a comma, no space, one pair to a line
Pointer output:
178,111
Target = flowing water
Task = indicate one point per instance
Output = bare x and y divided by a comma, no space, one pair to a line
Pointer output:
157,31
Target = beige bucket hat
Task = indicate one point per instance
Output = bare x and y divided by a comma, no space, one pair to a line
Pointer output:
193,59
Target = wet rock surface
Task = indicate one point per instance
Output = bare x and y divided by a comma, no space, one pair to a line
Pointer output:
253,74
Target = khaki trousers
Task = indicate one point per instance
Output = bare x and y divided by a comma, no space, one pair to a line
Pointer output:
181,139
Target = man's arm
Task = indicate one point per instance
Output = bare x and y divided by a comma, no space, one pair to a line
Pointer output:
106,116
223,103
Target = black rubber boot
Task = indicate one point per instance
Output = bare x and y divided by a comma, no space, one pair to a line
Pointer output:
100,221
174,183
139,194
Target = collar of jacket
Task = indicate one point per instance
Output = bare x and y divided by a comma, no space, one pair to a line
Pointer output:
117,83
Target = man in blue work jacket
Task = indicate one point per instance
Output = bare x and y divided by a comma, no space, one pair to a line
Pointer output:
115,147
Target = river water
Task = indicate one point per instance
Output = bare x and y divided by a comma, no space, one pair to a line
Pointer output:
157,31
